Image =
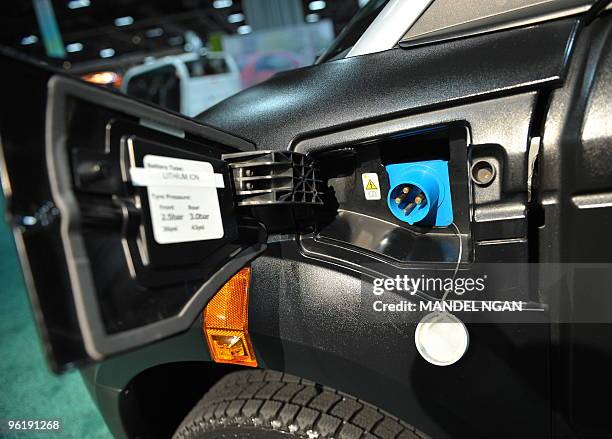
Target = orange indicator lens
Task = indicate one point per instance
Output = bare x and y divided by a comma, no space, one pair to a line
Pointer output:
226,322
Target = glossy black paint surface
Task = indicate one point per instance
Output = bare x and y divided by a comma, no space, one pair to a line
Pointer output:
305,314
348,92
577,202
313,319
314,329
305,309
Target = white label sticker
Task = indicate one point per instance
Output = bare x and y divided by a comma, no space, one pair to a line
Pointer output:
371,188
183,199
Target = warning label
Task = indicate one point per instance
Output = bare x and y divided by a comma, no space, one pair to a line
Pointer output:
371,187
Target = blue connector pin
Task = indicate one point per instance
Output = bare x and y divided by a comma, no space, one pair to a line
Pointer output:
420,193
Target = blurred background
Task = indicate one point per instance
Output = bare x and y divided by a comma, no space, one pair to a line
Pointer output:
185,55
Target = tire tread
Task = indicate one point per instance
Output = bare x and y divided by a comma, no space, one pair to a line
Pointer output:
272,400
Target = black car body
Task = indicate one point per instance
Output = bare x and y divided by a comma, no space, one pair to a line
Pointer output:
527,92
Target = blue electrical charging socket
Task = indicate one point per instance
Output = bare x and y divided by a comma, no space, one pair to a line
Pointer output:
420,193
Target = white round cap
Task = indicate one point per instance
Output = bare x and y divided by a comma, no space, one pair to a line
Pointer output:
441,338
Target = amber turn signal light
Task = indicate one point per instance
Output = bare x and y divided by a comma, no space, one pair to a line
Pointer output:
226,322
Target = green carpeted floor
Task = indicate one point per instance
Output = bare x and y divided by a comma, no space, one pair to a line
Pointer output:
28,390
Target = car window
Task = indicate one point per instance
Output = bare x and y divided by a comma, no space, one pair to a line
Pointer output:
356,27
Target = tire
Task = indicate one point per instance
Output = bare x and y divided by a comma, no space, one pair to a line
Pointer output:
258,404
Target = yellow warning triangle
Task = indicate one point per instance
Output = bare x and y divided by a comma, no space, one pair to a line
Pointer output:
371,186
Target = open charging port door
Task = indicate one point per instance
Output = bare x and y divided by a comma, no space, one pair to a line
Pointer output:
123,213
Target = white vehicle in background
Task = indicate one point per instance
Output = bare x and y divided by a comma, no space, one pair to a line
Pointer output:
188,83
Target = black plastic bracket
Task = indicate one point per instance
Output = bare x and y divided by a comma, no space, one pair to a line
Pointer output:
274,177
275,185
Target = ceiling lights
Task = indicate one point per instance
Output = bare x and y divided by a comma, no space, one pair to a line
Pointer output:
317,5
77,4
124,21
74,47
30,39
220,4
244,29
107,53
235,18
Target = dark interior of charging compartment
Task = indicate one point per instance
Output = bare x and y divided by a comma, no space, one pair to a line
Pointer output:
368,225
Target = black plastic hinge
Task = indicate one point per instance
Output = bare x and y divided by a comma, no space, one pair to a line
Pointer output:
280,188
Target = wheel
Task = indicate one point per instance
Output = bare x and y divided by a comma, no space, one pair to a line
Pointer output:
259,404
